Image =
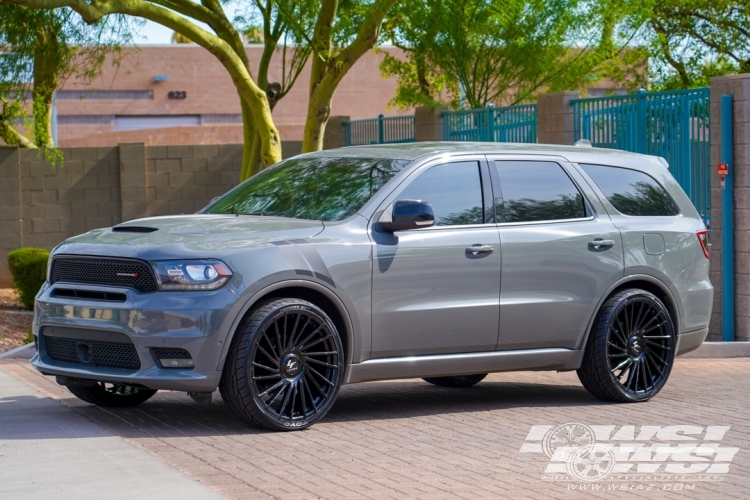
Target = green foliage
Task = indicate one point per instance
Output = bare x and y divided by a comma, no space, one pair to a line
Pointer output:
692,40
29,338
475,52
41,49
29,269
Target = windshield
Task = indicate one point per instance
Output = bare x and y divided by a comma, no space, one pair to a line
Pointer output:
323,189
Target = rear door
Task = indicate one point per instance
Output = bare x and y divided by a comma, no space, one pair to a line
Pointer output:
561,253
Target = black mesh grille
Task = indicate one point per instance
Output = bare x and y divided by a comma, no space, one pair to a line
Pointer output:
118,272
170,353
102,354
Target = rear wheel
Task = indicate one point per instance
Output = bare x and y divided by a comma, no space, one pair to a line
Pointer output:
457,380
630,352
285,366
111,395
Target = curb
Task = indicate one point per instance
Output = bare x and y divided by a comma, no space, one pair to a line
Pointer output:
720,350
25,352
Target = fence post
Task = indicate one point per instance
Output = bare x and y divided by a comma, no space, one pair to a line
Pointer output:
347,133
428,124
641,126
727,221
380,129
737,86
555,118
335,133
490,123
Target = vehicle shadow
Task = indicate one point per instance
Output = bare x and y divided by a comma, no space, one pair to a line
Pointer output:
170,414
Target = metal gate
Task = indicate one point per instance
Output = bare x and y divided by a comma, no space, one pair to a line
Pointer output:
380,130
492,124
674,125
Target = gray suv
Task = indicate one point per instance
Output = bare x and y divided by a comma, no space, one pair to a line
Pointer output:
442,261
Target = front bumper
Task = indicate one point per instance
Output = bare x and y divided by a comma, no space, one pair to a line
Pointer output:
198,322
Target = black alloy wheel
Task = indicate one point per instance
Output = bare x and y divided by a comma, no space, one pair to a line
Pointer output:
111,395
456,381
631,350
285,366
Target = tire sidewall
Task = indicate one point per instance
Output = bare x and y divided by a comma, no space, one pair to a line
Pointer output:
255,336
621,301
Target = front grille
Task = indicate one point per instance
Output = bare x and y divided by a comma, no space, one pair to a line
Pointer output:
118,272
102,354
89,295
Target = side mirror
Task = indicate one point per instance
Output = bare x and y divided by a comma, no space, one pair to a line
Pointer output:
407,214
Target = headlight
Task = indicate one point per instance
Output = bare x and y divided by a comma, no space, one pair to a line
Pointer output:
191,274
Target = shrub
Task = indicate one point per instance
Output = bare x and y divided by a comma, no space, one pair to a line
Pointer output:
29,269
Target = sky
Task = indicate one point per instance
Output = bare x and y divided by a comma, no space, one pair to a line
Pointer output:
153,33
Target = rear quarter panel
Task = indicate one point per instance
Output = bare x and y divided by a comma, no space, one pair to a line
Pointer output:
682,267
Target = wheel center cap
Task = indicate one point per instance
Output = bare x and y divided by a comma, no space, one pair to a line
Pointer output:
290,365
635,346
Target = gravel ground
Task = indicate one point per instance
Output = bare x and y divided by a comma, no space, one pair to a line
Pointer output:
15,323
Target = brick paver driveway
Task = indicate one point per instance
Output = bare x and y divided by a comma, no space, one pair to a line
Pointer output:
408,439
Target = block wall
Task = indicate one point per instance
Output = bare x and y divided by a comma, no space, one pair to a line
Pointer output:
42,204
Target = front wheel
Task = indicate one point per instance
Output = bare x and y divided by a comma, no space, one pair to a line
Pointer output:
111,395
630,351
285,366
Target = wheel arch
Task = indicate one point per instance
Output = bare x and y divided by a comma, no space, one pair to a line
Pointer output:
310,291
643,282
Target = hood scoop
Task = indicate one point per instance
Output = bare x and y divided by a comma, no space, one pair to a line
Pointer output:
134,229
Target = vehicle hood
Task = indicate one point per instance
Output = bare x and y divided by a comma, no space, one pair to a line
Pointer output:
189,236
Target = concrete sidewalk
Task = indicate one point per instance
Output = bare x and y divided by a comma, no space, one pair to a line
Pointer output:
47,450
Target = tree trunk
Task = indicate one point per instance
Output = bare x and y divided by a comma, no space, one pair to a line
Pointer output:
327,72
318,110
45,84
248,136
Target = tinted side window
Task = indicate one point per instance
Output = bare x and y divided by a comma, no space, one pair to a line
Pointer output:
632,192
538,191
454,190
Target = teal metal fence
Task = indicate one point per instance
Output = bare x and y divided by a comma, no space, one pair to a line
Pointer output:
674,125
380,130
492,124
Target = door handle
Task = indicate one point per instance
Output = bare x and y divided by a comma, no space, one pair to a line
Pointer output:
599,244
477,249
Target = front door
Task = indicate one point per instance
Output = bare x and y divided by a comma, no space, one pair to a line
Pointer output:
561,253
436,290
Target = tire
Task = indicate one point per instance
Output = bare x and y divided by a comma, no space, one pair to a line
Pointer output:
285,366
630,351
457,380
114,396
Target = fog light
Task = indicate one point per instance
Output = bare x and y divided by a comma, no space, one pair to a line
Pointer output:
172,358
176,363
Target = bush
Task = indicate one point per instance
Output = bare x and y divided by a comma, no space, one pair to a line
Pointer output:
29,269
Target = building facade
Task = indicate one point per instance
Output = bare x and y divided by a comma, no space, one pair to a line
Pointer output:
180,94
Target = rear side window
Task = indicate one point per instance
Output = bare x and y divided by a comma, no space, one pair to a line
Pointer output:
454,190
632,192
538,191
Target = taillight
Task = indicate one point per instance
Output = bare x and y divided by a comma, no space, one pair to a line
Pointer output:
703,239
